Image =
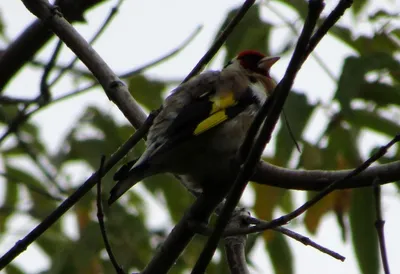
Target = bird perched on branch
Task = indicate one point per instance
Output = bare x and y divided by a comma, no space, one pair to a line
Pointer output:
202,125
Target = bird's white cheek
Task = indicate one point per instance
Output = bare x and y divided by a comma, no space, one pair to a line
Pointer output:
259,91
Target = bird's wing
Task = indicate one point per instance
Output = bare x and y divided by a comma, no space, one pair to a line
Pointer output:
195,112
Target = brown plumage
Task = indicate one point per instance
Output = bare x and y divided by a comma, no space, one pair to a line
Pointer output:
202,125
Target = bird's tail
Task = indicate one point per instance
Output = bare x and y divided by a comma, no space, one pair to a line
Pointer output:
124,183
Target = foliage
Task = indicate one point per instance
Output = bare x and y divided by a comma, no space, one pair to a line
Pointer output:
367,94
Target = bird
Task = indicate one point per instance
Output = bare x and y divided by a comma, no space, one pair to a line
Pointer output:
202,125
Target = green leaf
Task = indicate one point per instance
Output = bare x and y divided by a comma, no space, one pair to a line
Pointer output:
353,73
380,93
311,156
77,146
380,42
382,14
280,254
298,111
89,150
396,32
9,206
147,92
345,35
300,7
363,233
251,33
372,120
365,45
51,241
129,237
13,269
358,6
341,152
286,202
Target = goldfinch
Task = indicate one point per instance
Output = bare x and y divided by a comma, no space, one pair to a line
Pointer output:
202,125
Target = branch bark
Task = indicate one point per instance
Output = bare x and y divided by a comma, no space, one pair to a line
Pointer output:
316,180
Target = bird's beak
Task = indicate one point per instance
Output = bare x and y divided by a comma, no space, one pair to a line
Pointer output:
267,62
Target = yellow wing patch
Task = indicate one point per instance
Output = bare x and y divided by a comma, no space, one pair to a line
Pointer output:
217,113
210,122
222,102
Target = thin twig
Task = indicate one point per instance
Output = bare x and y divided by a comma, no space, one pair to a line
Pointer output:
290,216
45,95
220,40
23,116
31,187
21,245
203,229
282,90
314,55
74,70
294,235
100,31
328,23
6,100
380,226
42,167
100,218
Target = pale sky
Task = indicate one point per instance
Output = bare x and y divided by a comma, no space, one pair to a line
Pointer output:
145,30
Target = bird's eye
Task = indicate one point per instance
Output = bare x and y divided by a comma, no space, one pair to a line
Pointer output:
229,63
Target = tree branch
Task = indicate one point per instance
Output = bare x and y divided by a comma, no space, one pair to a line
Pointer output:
21,245
380,226
22,49
316,180
246,170
235,245
112,85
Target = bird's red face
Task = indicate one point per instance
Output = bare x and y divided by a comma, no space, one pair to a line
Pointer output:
256,62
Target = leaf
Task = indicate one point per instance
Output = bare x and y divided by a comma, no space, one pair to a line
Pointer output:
300,7
314,215
2,27
341,152
311,156
338,201
372,120
280,254
345,35
396,32
147,92
108,136
131,239
87,150
379,43
10,203
382,14
380,93
353,73
363,233
358,6
286,202
13,269
298,112
365,45
251,33
266,199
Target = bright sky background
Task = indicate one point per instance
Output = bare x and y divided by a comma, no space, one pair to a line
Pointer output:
145,30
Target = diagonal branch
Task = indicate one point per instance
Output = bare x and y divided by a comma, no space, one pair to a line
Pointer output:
112,85
21,245
282,90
